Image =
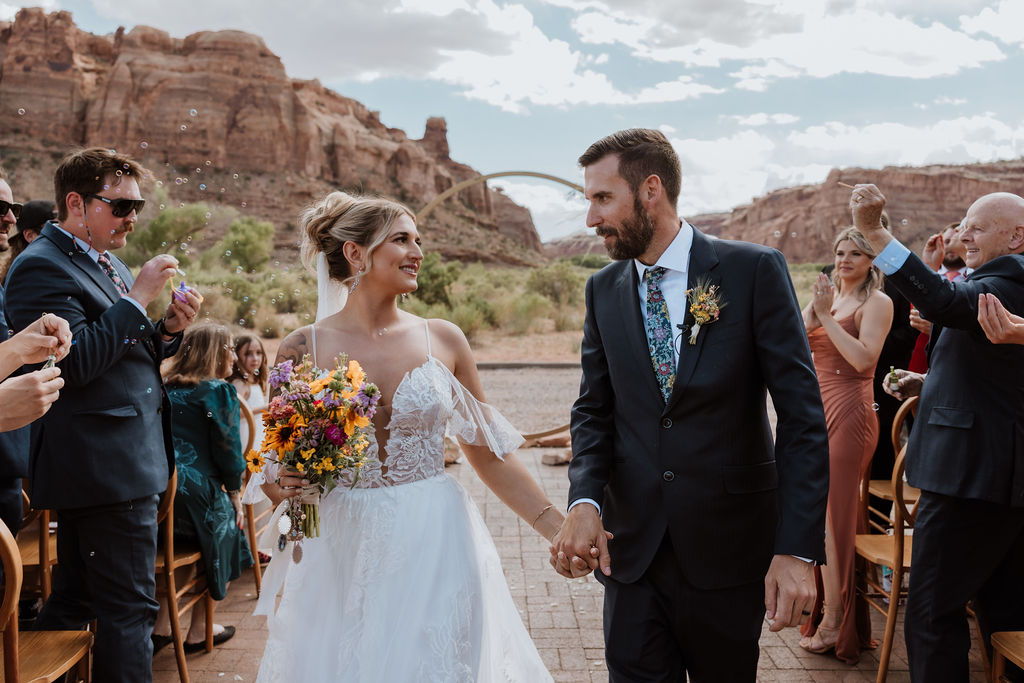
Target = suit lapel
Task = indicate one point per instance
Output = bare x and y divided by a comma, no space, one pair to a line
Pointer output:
82,261
703,260
635,334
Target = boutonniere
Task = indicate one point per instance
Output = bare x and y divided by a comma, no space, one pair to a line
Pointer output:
705,305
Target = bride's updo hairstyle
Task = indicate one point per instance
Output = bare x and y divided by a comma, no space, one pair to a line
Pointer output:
339,218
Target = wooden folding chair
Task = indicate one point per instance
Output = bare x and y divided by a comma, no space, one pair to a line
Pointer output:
255,522
38,550
1006,646
873,517
35,656
889,550
171,558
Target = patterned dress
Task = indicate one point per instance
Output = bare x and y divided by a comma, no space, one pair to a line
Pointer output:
209,458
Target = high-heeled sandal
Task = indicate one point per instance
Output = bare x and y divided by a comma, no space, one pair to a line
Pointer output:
824,647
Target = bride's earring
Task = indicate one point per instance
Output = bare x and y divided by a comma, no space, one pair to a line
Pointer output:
405,295
355,281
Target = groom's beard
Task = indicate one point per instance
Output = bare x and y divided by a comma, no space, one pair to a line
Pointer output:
633,237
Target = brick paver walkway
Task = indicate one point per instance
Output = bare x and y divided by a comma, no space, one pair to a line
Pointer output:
564,617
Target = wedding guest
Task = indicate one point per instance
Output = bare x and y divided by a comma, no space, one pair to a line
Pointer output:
896,352
208,455
943,253
249,377
969,531
846,329
34,215
102,454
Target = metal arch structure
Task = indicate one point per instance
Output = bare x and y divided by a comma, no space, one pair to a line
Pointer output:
458,187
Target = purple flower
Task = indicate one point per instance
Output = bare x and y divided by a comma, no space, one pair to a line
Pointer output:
281,373
334,434
366,400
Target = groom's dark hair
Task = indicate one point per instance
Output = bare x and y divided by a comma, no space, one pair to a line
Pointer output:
642,153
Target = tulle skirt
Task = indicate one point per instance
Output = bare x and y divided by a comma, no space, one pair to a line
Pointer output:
403,585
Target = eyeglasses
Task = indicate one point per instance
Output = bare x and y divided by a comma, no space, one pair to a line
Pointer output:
119,207
14,207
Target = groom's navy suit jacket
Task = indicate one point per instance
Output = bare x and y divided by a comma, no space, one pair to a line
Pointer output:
107,439
703,467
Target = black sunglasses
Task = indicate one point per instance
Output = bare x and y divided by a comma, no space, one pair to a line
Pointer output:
119,207
9,206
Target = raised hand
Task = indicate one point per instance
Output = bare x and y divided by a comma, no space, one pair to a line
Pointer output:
153,278
866,204
934,251
1000,326
182,310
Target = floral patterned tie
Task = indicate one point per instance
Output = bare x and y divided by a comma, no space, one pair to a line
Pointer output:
659,331
108,268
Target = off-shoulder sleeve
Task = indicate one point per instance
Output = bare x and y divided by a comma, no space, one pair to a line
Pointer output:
477,423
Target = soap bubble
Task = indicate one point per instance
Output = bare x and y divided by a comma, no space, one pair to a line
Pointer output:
904,221
778,233
193,112
235,176
243,205
184,127
21,112
208,162
177,181
202,186
143,144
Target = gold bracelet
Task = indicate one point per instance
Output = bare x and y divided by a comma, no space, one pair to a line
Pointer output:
537,518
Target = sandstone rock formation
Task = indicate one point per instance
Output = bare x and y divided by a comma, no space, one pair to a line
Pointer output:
217,119
802,221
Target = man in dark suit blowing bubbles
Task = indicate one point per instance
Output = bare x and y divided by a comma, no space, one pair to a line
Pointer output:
103,453
672,446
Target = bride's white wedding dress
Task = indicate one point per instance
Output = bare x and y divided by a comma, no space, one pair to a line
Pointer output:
404,584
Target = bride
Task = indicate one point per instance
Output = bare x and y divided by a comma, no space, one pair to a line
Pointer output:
404,583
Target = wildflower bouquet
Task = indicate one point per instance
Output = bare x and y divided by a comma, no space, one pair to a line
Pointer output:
317,425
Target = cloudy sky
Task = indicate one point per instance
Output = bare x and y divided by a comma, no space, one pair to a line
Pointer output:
754,94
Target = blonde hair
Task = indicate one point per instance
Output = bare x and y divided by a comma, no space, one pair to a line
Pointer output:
874,279
339,218
204,354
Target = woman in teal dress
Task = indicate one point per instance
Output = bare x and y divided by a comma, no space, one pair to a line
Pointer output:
208,454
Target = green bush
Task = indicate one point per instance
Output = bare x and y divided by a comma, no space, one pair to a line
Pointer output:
435,280
559,282
247,243
590,261
524,313
171,229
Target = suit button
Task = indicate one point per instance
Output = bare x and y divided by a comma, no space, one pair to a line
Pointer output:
668,475
666,423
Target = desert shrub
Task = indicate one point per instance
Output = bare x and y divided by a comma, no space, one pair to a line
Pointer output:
590,261
559,282
523,313
435,280
171,228
469,318
247,243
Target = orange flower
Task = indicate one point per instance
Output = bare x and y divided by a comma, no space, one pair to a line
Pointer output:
355,374
353,421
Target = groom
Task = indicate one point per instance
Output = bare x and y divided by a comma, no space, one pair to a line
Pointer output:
672,446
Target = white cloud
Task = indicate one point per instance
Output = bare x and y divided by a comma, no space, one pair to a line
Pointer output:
774,39
763,119
1005,22
557,211
720,173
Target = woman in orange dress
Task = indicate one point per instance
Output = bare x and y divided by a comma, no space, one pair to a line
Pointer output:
846,322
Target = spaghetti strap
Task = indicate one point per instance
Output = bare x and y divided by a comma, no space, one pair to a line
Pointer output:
426,326
312,330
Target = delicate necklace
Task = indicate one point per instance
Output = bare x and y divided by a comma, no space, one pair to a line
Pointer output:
382,331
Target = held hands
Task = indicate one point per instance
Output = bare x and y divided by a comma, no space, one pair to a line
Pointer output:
789,591
866,204
50,335
581,544
909,384
1000,326
821,304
